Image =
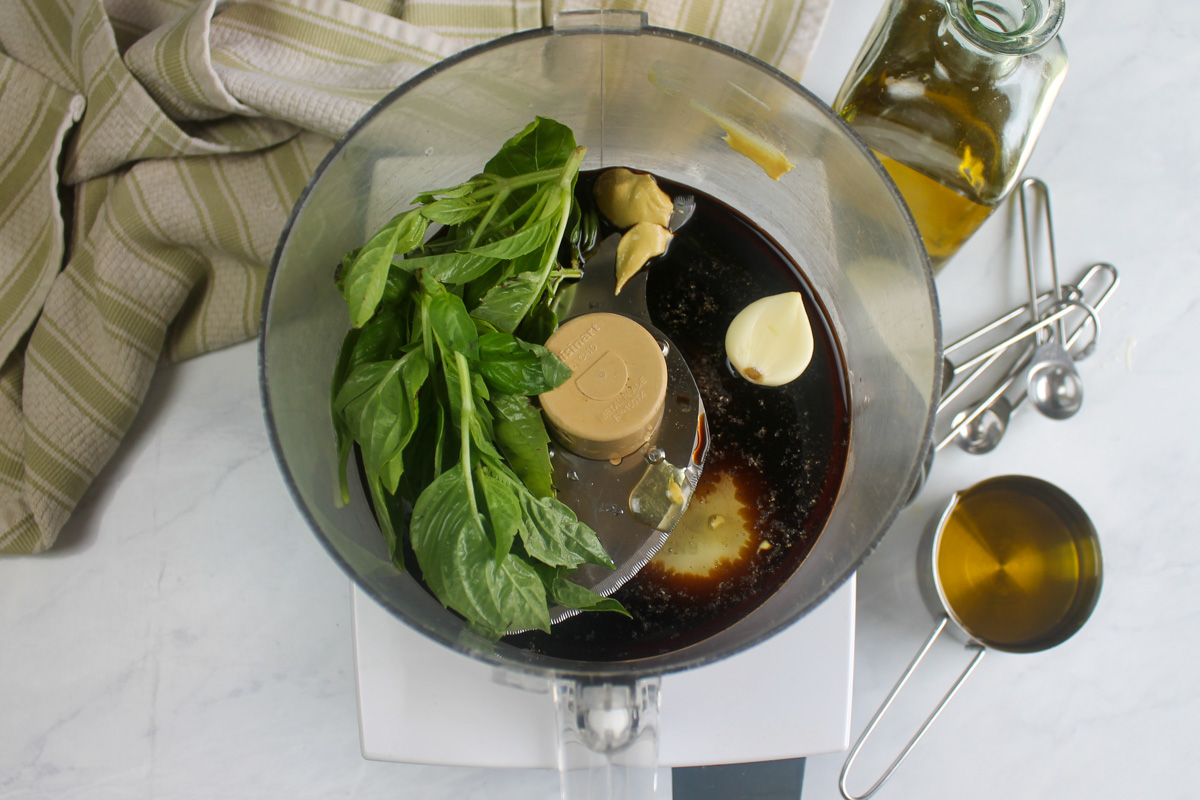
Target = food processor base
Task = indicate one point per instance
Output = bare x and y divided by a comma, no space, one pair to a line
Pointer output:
788,697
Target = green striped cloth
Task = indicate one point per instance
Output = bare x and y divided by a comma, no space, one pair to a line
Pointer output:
150,152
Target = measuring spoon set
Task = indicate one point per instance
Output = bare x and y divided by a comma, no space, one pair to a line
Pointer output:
1043,369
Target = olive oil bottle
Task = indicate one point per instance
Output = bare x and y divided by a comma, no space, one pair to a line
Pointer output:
951,95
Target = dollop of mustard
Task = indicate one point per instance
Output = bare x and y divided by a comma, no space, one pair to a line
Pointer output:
626,198
639,244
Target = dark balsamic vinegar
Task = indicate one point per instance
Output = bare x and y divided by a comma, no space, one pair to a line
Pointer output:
784,448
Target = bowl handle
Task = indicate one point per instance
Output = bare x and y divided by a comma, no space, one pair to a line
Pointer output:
607,738
843,779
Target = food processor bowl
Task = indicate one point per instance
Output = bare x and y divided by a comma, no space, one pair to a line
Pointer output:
691,111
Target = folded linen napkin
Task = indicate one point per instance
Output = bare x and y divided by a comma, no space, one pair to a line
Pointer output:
150,152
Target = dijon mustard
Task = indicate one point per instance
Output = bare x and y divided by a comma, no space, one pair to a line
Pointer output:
639,244
626,198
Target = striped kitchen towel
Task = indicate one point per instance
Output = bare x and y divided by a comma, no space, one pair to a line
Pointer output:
150,152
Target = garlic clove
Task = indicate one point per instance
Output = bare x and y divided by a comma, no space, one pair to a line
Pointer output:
626,198
770,341
638,245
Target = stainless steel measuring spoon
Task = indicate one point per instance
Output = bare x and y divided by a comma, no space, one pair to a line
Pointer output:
979,430
966,419
970,369
1053,382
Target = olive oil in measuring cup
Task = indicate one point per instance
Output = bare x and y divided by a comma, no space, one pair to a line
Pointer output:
1014,561
951,95
1013,564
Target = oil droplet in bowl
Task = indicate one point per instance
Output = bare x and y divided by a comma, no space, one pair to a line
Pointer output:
715,535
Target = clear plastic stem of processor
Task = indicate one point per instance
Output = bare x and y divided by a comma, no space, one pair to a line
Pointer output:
607,738
607,731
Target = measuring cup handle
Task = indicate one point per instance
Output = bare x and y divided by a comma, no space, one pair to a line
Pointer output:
843,779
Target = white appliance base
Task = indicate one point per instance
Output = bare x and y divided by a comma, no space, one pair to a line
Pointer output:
420,702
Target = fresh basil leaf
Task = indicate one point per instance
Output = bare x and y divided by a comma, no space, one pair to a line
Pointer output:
345,361
483,433
554,370
451,546
526,240
364,280
393,469
450,268
505,304
572,595
382,338
357,385
423,457
451,323
553,535
343,436
516,367
522,596
385,512
477,289
539,323
522,438
339,275
542,144
480,388
398,287
504,511
452,399
458,561
509,302
462,190
379,403
453,210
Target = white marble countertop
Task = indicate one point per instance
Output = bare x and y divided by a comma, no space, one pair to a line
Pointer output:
189,638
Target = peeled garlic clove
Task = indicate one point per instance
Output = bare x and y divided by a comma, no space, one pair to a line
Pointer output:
770,341
638,245
626,198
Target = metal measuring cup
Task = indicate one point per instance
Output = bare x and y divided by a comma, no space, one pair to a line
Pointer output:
954,610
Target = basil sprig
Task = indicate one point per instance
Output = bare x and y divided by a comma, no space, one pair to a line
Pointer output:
434,383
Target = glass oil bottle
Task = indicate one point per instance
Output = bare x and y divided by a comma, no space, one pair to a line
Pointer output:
951,95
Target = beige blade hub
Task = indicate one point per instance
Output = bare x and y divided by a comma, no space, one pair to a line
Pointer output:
613,401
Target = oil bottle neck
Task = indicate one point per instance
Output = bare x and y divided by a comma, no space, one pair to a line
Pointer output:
985,40
1005,27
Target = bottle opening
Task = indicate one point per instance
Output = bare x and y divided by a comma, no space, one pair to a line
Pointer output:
1008,26
1011,17
993,21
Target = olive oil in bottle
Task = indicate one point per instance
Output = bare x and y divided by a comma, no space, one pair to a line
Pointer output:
951,95
945,217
